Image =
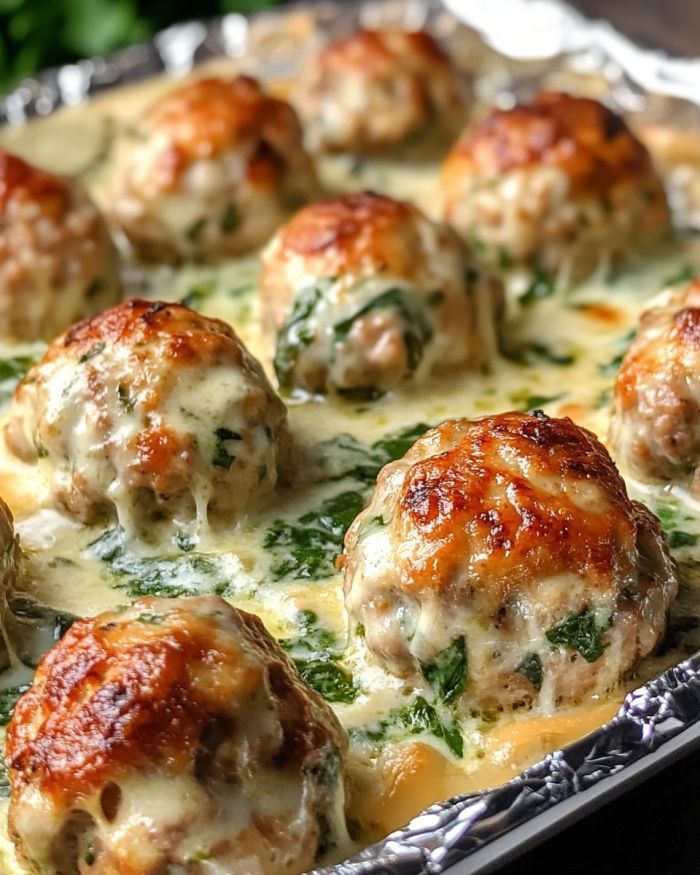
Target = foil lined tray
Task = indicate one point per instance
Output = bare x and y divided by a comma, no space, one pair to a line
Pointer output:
516,45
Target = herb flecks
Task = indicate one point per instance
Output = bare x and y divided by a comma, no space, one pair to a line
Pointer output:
530,667
222,457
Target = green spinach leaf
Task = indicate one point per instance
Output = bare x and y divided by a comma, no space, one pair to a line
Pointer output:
580,632
447,674
297,333
307,548
416,315
531,667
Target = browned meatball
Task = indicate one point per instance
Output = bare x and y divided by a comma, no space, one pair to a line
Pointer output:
168,734
501,560
559,184
212,170
57,260
377,89
365,293
150,411
655,424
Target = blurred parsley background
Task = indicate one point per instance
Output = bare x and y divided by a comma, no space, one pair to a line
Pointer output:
44,33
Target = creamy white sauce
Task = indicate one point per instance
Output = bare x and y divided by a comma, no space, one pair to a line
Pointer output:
568,344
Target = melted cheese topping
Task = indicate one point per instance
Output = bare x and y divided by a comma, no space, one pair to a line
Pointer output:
565,351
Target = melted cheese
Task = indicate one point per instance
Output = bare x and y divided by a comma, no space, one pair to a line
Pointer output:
565,349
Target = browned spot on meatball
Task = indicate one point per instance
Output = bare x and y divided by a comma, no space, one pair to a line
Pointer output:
167,402
21,181
376,89
655,422
487,535
471,504
191,691
213,115
583,137
348,232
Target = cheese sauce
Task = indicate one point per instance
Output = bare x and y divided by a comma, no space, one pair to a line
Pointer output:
564,352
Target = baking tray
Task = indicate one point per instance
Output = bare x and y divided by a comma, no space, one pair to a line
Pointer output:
657,723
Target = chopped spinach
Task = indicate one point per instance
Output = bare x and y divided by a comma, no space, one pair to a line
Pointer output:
531,667
447,673
610,368
396,444
230,219
541,286
170,576
672,522
128,402
505,259
679,538
94,350
580,632
221,457
194,232
416,316
8,699
315,653
329,679
534,353
4,779
296,334
12,370
307,548
197,294
310,639
345,456
184,542
15,368
685,274
417,718
534,402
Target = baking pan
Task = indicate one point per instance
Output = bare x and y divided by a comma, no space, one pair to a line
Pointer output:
660,721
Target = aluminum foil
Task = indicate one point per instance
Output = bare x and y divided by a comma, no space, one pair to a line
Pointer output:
515,45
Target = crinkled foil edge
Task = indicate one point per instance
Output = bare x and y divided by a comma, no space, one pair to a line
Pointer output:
448,832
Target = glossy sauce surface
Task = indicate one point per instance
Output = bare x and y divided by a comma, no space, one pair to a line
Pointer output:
566,348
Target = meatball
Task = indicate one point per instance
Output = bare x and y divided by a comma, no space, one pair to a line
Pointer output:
655,424
155,412
378,89
57,259
211,170
167,734
560,184
364,293
501,561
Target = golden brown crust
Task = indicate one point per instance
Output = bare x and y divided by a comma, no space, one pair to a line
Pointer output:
172,731
211,116
57,259
375,52
374,90
655,420
162,414
490,533
188,336
20,181
457,503
351,231
118,695
582,137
